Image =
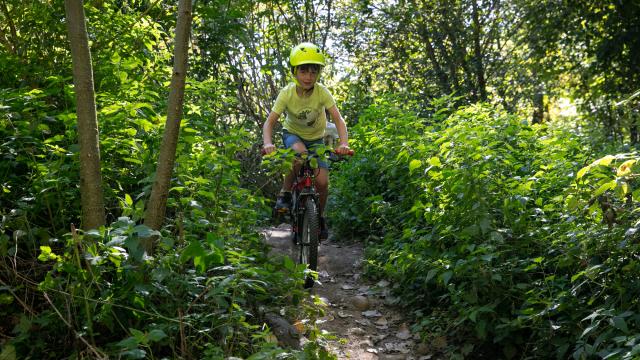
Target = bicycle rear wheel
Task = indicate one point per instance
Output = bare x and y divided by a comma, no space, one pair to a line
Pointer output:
308,246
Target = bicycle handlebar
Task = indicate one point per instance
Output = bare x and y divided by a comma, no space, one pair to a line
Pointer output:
327,151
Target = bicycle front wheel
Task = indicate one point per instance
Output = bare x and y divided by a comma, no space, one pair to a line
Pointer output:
308,246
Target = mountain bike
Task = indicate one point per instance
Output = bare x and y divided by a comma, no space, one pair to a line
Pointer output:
304,212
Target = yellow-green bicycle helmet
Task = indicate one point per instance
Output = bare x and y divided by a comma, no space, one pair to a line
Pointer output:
306,53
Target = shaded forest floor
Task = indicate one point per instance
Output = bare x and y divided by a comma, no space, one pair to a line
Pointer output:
357,312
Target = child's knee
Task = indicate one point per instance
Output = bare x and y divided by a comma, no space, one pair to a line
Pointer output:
322,183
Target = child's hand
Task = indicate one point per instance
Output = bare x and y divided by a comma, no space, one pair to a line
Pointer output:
343,149
268,148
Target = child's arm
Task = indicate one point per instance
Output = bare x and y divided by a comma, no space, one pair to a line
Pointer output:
267,132
341,126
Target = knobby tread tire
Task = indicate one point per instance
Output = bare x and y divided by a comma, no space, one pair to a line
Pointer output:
308,247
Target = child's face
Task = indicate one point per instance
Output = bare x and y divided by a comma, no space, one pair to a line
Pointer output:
307,76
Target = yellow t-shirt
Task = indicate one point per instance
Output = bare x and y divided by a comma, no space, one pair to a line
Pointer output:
305,116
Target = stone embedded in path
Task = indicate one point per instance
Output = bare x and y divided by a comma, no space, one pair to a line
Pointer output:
382,322
361,303
403,332
356,331
371,313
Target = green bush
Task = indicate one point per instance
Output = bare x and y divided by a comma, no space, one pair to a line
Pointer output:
490,233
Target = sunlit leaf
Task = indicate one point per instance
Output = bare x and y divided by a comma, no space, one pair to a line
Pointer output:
625,167
605,161
583,171
604,187
414,164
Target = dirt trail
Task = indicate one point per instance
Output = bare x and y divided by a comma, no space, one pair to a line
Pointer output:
357,312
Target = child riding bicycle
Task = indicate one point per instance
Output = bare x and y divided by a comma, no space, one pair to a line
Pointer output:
305,102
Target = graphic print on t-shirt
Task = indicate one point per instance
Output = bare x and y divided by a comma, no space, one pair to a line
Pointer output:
308,116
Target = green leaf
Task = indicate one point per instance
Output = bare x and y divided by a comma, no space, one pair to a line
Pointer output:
194,249
115,58
414,164
431,274
446,276
8,352
605,161
156,335
215,241
139,335
604,187
128,343
134,354
289,264
46,254
435,161
619,323
583,171
128,200
577,276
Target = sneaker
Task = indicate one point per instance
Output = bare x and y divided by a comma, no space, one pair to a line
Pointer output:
283,202
324,230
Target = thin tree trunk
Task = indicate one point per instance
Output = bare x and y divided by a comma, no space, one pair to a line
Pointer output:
12,26
93,214
157,205
431,54
327,28
458,48
633,131
538,108
477,27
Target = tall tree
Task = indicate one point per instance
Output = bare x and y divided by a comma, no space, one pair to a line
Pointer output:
157,204
93,214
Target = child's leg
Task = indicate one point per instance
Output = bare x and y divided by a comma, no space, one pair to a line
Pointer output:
295,143
322,185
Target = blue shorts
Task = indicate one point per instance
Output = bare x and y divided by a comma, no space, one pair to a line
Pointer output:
289,139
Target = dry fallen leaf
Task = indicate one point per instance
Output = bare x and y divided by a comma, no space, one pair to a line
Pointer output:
299,325
439,343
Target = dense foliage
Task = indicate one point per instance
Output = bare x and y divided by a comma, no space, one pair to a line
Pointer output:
495,234
504,237
66,293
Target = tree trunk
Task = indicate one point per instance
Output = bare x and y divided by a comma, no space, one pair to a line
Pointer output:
156,207
481,84
11,42
431,54
538,108
93,214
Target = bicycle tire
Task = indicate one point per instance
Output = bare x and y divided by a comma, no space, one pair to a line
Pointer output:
308,246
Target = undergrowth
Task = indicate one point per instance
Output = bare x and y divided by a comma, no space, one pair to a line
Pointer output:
493,236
